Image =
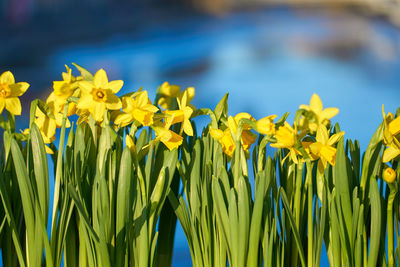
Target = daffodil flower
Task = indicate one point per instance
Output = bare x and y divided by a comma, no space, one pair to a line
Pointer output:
323,147
169,138
9,93
322,115
247,138
47,126
266,125
225,138
182,115
391,129
99,96
168,92
286,137
62,90
138,108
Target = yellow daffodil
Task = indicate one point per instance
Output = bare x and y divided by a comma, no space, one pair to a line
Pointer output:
322,115
182,115
266,125
47,126
247,138
225,139
99,96
138,108
62,90
168,92
9,93
323,147
169,138
391,129
286,137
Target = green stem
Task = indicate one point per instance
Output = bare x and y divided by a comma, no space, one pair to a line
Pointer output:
390,233
58,178
310,215
297,207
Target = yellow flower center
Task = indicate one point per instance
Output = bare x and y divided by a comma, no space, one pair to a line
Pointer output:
5,90
99,95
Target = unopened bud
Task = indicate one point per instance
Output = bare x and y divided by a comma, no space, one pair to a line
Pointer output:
389,175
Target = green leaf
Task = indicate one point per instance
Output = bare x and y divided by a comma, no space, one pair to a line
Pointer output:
293,226
376,222
87,76
123,205
41,170
221,110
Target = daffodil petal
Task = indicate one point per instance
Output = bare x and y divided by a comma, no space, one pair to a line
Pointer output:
123,119
322,134
316,103
13,105
18,89
7,78
100,79
86,87
48,150
2,104
85,102
329,113
116,85
150,108
335,138
113,102
98,111
216,133
390,153
394,126
142,99
187,127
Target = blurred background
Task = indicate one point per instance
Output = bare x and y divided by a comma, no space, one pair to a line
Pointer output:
270,55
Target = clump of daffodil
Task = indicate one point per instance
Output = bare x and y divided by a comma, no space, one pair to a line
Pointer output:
62,90
225,137
169,138
286,137
389,175
9,93
323,147
168,92
321,116
182,115
391,129
266,125
138,108
99,96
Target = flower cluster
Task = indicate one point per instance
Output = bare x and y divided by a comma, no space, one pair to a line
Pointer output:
309,138
93,98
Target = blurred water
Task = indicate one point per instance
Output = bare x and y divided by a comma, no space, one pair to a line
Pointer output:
269,61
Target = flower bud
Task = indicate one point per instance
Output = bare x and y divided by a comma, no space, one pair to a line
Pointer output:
389,175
